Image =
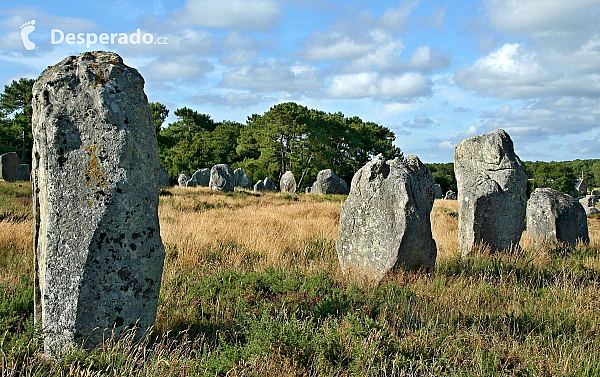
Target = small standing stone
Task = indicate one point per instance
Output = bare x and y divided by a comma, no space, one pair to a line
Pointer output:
287,183
385,222
588,201
9,163
183,180
221,178
596,194
246,182
163,177
269,185
437,190
450,195
98,252
238,175
201,177
259,186
329,183
23,173
492,184
553,217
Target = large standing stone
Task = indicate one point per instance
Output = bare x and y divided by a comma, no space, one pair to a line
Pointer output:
492,184
596,194
287,183
553,217
259,186
221,178
269,185
437,191
385,221
183,180
329,183
450,195
9,163
97,245
23,173
163,177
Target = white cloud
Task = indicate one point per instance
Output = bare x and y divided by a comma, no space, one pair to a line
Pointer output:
427,59
272,76
589,147
232,99
396,18
372,84
336,45
421,121
175,68
514,72
231,14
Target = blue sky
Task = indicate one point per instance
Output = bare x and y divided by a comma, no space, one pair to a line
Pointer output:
435,72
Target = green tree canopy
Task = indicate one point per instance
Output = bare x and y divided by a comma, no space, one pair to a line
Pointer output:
15,118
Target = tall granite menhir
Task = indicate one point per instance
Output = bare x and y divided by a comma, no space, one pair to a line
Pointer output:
99,255
492,198
385,222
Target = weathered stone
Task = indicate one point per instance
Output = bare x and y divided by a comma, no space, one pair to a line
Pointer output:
269,185
385,222
163,177
450,195
492,184
23,173
590,210
287,183
238,175
596,194
201,177
183,180
97,245
588,201
259,186
553,217
190,183
246,182
437,191
307,190
329,183
221,178
9,163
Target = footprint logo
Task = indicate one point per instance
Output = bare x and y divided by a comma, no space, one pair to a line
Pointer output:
27,29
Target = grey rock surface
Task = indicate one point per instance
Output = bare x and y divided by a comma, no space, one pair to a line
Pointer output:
259,186
329,183
553,217
269,185
9,163
590,210
23,173
588,201
163,177
287,183
385,221
238,175
492,184
246,182
437,191
596,194
201,177
450,195
183,180
97,245
221,178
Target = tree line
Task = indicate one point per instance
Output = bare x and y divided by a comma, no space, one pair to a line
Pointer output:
287,137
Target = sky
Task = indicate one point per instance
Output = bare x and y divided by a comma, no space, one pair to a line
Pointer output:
434,72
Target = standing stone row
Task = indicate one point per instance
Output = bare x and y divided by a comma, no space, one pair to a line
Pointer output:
97,245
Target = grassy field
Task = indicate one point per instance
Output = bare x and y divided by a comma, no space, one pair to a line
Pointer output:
252,286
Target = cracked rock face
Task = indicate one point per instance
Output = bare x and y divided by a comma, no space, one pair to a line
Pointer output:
492,185
329,183
221,178
385,222
97,245
553,217
287,183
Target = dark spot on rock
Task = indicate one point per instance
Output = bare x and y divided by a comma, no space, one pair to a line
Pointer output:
133,246
119,191
136,235
119,321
